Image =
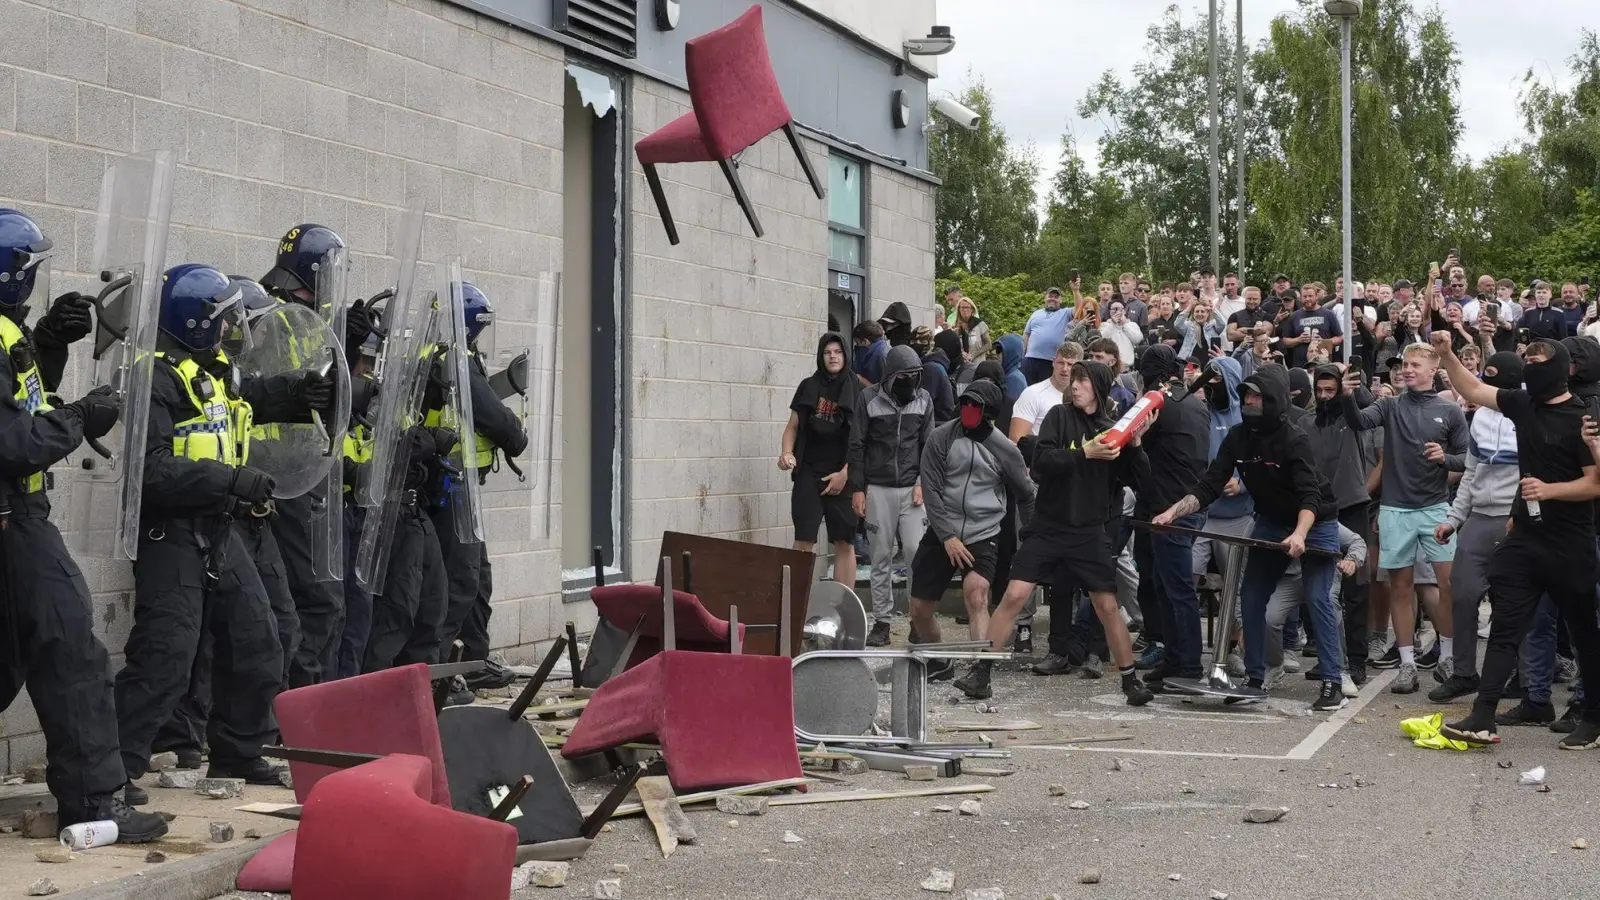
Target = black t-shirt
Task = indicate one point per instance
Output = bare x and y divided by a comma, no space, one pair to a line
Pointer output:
1247,318
827,436
1550,448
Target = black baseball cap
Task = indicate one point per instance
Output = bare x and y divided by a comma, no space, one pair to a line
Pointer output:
1393,361
1279,277
1403,285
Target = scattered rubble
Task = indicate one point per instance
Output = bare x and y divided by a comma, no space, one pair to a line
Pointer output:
37,824
920,772
735,805
221,832
1058,790
790,837
988,708
733,823
971,808
991,893
608,889
58,853
621,869
1089,876
1078,804
161,762
1261,815
251,834
44,887
547,874
220,788
939,882
1359,720
942,808
1123,765
34,774
1218,895
155,856
851,766
181,779
1580,844
1175,876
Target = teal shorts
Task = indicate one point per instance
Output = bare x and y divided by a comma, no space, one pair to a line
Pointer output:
1405,536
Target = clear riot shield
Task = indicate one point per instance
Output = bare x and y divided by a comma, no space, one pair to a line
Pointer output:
401,376
293,341
104,480
454,357
516,491
327,527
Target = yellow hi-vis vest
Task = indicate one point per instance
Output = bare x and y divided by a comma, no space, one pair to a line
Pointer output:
29,393
474,448
357,447
220,428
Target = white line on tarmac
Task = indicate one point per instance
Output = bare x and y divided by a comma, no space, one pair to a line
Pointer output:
1132,750
1325,732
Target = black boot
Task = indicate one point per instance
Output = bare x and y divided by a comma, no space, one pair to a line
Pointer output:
133,795
1135,690
133,827
188,758
975,683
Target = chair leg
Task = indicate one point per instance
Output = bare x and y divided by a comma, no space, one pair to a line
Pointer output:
661,202
805,161
732,172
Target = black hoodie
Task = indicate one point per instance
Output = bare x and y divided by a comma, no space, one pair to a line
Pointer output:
823,402
896,322
1273,457
1074,490
1584,382
1179,443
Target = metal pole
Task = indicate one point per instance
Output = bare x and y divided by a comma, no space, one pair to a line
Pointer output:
1216,189
1238,128
1349,285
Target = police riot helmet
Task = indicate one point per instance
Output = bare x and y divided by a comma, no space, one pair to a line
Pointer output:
300,254
198,305
24,251
476,309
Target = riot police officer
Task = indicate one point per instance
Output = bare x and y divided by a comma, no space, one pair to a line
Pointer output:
497,430
408,614
49,643
193,569
320,604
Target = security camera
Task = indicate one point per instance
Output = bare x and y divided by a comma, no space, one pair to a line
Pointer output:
957,113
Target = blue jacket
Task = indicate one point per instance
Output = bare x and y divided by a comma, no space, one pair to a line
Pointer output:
1011,358
1240,504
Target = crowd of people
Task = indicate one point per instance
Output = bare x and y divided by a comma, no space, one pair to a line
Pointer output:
230,603
1424,464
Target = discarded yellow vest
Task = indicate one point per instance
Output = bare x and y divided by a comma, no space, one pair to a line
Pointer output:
1424,732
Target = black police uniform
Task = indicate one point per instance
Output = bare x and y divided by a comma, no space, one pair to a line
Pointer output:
408,614
195,571
47,641
470,576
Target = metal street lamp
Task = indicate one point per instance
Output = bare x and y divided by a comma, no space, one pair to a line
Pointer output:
1346,12
1216,191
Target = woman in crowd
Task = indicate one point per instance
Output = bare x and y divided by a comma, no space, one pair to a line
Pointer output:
973,329
1086,329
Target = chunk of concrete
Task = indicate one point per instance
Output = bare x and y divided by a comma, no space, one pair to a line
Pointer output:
44,887
1089,876
1261,815
38,825
547,874
1058,790
58,853
970,808
922,772
790,837
939,882
742,806
608,889
220,788
179,779
851,766
161,762
221,832
155,856
1078,804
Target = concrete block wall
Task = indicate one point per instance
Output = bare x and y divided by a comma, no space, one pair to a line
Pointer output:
900,220
341,112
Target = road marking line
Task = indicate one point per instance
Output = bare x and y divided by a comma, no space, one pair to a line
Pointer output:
1132,750
1325,732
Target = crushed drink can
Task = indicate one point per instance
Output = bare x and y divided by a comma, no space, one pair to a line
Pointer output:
86,835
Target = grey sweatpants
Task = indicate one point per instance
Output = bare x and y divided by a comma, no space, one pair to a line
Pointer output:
1469,578
1291,592
890,514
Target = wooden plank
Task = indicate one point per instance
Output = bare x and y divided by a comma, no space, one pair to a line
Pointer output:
661,806
1018,725
633,809
553,851
1023,742
855,796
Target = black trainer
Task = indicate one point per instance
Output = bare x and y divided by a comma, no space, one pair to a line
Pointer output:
975,683
1054,664
1389,660
1586,736
133,795
1250,693
133,827
941,669
1426,661
1454,687
1314,673
879,635
1358,673
255,771
1568,720
495,675
1330,698
1024,642
1137,692
188,758
1527,713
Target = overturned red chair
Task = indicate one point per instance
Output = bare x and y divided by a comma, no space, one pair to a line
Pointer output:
373,833
737,102
722,718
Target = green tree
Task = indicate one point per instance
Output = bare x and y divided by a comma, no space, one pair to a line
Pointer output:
986,221
1406,124
1572,250
1091,225
1565,128
1005,303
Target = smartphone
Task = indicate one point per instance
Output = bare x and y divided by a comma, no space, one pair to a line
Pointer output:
1491,310
1073,275
1524,336
1455,252
1216,343
1355,364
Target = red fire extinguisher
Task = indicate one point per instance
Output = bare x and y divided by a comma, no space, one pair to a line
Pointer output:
1134,419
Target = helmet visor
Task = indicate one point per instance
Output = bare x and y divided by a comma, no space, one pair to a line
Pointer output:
26,274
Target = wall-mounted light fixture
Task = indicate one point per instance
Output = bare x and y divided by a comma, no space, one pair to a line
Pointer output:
900,108
938,42
667,13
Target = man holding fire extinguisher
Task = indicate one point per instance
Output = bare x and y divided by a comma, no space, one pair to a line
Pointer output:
1081,462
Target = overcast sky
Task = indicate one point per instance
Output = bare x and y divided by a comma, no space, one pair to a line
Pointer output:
1040,56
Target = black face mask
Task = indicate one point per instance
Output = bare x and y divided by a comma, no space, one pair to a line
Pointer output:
1217,396
904,389
1546,380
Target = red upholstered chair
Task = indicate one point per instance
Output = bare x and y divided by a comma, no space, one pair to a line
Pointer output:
721,719
697,629
737,102
373,833
381,713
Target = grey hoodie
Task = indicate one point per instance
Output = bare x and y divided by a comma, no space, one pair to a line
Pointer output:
964,482
1415,418
886,437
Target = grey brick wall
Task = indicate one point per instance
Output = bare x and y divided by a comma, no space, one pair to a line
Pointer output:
282,111
901,253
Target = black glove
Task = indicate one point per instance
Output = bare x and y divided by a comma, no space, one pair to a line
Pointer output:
98,410
514,450
422,445
357,324
444,440
433,393
315,391
356,474
67,320
251,485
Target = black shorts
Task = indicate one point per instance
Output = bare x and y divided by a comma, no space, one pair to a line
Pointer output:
1051,554
931,568
810,508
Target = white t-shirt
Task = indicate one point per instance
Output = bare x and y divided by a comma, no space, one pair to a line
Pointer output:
1226,308
1035,403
